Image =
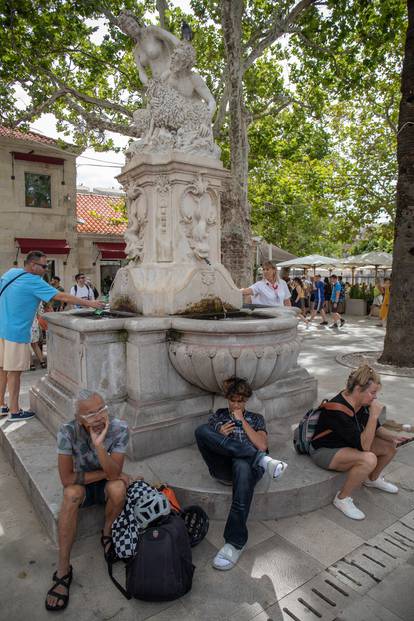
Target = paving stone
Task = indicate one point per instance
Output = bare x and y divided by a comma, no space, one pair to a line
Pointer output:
352,576
364,609
217,595
396,592
405,455
317,535
371,561
282,565
391,545
258,532
402,534
408,520
323,597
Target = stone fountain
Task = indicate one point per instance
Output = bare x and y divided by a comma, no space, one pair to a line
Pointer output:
162,368
175,331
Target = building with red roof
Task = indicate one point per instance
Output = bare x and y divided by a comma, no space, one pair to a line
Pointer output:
38,201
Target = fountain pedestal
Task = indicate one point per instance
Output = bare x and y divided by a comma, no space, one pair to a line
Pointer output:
173,237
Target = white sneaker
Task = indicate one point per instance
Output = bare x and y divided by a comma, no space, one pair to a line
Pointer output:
346,505
227,557
275,468
382,484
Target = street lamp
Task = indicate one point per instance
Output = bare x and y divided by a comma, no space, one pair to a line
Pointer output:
257,240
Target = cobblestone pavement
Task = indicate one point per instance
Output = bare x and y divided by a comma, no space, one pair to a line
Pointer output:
320,565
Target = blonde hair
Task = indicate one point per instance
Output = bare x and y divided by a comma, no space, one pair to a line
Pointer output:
363,376
269,264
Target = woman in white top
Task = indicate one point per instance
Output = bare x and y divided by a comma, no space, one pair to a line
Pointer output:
270,291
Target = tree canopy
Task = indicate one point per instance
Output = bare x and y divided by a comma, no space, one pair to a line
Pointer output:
319,96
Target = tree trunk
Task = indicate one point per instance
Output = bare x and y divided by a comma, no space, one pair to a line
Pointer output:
235,212
399,338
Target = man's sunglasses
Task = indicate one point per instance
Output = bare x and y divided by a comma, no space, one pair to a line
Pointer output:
42,265
92,415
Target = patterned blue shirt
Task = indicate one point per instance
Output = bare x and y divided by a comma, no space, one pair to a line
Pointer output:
74,440
256,422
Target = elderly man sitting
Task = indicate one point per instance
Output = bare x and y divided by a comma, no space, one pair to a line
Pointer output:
91,452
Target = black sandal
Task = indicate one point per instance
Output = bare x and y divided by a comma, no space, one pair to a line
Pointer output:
109,550
64,597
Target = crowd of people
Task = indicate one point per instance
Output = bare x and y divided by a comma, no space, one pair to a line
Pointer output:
233,442
315,296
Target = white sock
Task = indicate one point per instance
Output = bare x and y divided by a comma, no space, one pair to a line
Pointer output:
264,461
279,468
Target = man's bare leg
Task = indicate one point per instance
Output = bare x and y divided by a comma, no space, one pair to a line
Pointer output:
3,386
13,383
115,493
73,496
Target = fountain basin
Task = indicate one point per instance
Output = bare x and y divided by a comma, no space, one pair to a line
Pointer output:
259,347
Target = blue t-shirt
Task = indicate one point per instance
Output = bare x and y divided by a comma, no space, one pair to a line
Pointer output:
335,289
19,302
320,291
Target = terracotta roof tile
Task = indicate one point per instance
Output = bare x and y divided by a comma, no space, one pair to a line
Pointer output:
96,211
17,134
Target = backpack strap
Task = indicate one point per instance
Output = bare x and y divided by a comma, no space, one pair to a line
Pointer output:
12,280
115,581
332,406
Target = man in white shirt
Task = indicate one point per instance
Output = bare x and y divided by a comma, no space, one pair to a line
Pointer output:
271,291
82,290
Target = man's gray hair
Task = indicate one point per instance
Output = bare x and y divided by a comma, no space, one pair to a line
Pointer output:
84,395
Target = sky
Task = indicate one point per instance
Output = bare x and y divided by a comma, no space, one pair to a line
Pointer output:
94,169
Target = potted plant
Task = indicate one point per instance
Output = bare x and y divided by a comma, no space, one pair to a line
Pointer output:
357,302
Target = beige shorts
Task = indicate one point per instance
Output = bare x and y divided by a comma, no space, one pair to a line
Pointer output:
14,356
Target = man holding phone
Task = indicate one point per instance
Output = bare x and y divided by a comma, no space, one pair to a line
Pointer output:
91,451
234,447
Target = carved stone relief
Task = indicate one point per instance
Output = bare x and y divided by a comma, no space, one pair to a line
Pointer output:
198,210
137,220
163,222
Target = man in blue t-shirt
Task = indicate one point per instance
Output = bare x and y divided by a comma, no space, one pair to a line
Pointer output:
21,291
335,297
319,300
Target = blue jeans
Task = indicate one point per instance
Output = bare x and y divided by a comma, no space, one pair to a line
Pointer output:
230,460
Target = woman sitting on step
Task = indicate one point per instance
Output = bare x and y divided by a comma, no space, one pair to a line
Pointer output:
233,444
353,440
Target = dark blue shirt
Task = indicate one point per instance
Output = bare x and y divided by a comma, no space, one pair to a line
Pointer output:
256,422
320,291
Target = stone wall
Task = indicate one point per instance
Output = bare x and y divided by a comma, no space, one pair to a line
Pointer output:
17,220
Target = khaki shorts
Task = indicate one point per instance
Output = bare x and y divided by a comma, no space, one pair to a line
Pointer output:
14,356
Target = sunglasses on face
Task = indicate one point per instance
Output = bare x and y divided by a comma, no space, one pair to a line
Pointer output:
92,415
42,265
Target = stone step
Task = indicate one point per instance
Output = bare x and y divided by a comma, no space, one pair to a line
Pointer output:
31,450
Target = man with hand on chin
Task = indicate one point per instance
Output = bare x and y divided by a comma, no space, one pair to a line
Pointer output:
91,451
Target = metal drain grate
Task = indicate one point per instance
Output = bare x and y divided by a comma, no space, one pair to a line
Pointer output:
322,598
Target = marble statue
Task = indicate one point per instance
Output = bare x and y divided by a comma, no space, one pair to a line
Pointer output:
180,105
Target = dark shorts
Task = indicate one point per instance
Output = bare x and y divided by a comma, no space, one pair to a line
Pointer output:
94,494
317,305
323,456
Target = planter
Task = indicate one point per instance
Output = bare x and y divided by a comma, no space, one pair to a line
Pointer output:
356,307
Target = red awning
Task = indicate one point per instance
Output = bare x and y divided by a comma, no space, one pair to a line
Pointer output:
111,250
48,246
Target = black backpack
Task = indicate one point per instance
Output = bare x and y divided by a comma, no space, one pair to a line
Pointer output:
161,569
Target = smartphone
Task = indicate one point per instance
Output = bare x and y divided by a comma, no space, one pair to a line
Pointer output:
405,442
238,423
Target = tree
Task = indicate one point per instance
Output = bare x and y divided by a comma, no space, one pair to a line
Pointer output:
304,68
399,338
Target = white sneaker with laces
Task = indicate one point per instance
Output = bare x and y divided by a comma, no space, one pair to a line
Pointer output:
346,505
227,557
382,484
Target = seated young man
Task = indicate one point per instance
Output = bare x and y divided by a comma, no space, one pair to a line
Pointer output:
233,444
91,451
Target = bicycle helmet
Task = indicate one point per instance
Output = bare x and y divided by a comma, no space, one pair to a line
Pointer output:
150,507
196,522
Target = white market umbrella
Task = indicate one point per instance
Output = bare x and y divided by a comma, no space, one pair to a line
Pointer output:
311,260
366,259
